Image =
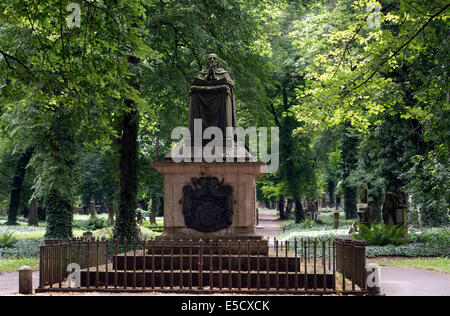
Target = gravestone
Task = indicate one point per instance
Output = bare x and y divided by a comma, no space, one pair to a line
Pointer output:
363,208
33,215
336,215
395,210
92,209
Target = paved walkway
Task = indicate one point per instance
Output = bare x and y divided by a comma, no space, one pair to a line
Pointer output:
414,282
269,224
9,282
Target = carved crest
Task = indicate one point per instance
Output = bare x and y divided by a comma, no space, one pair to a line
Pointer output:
207,205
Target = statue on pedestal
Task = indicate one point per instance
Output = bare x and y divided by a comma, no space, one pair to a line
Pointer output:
212,98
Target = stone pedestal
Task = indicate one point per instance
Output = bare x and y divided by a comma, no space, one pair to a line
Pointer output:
25,280
242,176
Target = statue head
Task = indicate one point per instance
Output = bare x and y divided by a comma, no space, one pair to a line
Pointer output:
213,60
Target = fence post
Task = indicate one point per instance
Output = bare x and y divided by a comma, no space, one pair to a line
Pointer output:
25,280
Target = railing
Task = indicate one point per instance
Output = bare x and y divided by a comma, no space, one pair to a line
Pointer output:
351,261
250,266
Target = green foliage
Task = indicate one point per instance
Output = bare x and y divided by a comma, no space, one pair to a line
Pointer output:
14,264
438,264
435,237
23,248
298,65
95,223
382,235
59,216
428,181
307,224
410,250
7,240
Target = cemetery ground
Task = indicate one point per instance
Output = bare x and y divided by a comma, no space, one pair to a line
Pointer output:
426,256
19,245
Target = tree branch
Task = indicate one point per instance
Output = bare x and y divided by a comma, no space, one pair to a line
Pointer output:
275,117
400,48
346,49
6,55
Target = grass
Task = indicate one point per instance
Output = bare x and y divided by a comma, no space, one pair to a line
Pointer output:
13,264
26,250
320,231
438,264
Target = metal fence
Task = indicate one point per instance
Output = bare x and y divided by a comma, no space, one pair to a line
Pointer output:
225,266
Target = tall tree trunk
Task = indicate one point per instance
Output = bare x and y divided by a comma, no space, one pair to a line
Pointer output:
349,161
116,197
154,208
281,209
153,211
126,227
59,215
111,214
331,186
299,212
289,208
19,176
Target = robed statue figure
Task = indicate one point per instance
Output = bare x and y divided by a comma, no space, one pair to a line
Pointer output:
212,98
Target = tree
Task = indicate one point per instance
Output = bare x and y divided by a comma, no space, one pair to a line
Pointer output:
349,154
390,75
17,182
61,86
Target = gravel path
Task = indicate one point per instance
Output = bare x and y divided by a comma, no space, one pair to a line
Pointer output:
269,224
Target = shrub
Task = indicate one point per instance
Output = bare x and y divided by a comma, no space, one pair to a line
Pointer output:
433,236
307,224
95,223
7,240
382,235
411,250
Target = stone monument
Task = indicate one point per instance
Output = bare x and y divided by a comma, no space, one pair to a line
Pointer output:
395,210
212,98
363,208
210,200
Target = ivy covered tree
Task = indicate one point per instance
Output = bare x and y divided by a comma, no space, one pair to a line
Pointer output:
349,156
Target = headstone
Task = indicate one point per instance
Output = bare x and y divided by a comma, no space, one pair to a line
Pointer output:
33,215
363,208
364,195
92,209
336,219
338,201
88,235
25,280
394,210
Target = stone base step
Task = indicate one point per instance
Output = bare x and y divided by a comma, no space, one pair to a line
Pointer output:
214,262
254,247
186,279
